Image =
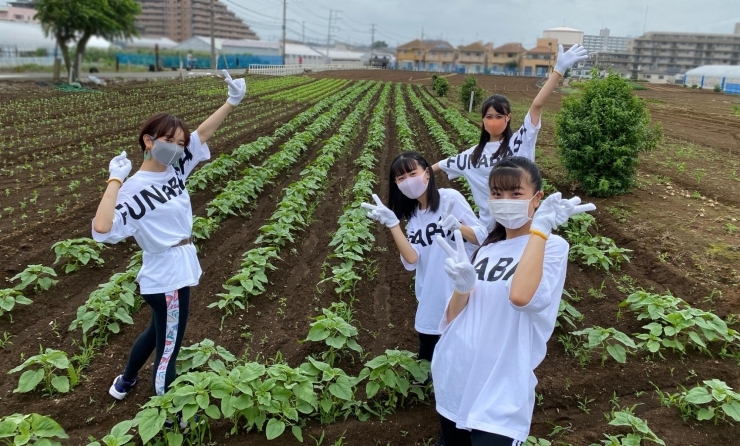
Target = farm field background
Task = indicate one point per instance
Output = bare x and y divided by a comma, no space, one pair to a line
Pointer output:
681,224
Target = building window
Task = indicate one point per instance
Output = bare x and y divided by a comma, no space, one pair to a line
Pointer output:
660,77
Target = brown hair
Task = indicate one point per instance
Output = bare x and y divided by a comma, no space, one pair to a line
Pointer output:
163,124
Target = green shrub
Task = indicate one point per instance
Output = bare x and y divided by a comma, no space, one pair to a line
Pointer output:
441,85
717,89
470,85
600,134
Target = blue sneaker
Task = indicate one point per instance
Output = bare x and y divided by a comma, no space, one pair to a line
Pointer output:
120,387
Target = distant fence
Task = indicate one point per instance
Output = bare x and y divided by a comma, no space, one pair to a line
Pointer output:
15,61
287,70
230,61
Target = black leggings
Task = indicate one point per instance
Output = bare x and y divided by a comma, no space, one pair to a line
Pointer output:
427,343
461,437
169,319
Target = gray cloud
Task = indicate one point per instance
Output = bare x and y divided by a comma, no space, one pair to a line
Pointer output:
464,21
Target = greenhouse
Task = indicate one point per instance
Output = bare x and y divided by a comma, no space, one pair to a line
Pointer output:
727,77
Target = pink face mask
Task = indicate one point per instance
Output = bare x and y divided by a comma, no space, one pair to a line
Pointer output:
413,187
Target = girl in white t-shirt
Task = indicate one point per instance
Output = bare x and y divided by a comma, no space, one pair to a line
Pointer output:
498,320
413,196
497,139
153,206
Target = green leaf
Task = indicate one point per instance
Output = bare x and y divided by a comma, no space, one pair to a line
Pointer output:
22,439
46,427
174,439
617,352
29,380
698,395
371,389
275,428
59,360
151,422
732,409
122,428
297,433
213,412
705,414
341,389
61,383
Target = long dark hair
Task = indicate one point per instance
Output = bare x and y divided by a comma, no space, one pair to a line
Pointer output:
501,105
400,204
507,175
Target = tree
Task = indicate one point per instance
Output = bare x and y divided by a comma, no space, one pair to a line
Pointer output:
468,86
380,44
78,20
600,134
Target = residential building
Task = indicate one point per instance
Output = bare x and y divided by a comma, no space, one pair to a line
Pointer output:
565,36
19,11
540,60
474,58
673,53
431,55
618,62
180,20
605,42
507,58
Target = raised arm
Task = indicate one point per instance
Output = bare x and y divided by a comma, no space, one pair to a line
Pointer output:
119,168
565,60
237,90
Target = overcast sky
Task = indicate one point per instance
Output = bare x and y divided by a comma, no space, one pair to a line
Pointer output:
464,21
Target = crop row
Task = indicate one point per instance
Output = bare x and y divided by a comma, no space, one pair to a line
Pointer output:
292,212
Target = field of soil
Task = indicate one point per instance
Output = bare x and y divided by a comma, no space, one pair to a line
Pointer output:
678,222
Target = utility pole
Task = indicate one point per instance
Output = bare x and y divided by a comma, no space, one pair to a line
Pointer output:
332,15
285,4
372,43
303,33
213,37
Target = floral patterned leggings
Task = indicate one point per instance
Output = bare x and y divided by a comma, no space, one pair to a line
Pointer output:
169,318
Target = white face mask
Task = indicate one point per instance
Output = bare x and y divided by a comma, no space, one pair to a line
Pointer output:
512,214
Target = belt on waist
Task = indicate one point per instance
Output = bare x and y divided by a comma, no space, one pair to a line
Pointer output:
184,242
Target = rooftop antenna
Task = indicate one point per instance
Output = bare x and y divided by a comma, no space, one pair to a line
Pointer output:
644,26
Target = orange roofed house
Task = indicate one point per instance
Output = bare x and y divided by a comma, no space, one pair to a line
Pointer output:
540,60
507,58
474,58
430,55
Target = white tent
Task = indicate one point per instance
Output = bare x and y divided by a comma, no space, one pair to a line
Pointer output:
708,76
296,53
147,43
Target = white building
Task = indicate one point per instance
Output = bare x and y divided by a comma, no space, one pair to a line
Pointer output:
564,35
24,43
605,42
296,53
147,43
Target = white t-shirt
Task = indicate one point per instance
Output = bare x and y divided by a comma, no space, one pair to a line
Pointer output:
521,144
154,208
433,286
484,363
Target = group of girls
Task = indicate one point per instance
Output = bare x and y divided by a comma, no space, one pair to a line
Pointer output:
486,307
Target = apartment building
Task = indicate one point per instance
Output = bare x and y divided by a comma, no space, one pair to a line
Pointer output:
19,11
431,55
507,58
673,53
180,20
474,58
605,42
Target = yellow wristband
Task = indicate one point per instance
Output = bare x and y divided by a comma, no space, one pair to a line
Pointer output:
556,71
115,179
539,233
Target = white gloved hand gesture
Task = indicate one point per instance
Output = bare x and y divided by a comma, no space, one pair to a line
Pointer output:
449,222
458,266
567,59
555,211
119,167
237,88
381,213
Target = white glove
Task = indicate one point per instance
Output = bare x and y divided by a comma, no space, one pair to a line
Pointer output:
567,59
237,89
555,211
458,266
381,213
119,167
449,222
